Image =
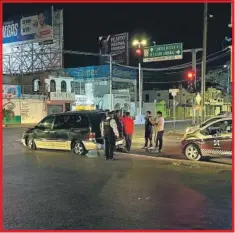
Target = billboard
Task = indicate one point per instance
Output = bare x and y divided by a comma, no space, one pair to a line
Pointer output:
37,27
96,72
115,44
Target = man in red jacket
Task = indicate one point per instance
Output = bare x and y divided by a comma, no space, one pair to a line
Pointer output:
128,124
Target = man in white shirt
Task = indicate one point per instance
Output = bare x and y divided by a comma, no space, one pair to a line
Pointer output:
160,131
109,132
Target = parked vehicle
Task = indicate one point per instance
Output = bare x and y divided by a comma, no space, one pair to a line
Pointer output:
220,116
77,131
211,139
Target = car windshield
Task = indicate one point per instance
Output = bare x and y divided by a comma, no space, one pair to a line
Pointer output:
209,121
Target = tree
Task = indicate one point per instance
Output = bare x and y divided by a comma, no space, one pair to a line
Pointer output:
218,78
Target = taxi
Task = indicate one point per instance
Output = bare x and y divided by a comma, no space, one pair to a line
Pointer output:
212,139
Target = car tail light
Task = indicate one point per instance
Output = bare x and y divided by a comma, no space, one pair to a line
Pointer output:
91,136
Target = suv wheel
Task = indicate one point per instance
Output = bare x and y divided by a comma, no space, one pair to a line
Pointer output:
78,148
192,152
31,144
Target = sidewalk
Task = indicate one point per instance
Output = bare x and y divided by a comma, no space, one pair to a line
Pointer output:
18,126
169,131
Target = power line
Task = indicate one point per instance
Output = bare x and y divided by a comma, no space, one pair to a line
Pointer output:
208,61
189,63
174,67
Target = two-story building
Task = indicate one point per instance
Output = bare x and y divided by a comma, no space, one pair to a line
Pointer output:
60,94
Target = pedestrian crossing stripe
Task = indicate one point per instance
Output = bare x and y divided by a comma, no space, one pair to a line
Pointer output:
216,152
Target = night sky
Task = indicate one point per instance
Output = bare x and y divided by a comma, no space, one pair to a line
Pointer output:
162,23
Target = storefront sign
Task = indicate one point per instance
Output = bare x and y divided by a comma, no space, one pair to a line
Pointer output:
62,96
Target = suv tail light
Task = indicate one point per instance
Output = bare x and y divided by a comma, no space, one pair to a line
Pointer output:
91,136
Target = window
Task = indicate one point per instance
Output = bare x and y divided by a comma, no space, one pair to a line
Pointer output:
72,86
147,98
63,86
226,126
220,127
209,121
52,86
36,85
158,94
59,122
76,121
46,123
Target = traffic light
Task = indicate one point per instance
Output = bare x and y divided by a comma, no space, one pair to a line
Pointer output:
139,54
191,77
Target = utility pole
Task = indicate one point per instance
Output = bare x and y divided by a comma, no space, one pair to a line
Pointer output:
203,78
194,61
110,82
140,86
231,63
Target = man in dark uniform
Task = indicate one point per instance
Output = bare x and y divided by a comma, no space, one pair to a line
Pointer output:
149,123
110,133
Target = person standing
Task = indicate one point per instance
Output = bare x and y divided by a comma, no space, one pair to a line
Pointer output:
160,131
128,124
149,123
110,133
118,119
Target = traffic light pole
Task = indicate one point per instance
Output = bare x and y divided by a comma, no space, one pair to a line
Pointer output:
203,78
140,91
194,68
140,86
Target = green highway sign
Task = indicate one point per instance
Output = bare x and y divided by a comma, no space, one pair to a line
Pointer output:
164,52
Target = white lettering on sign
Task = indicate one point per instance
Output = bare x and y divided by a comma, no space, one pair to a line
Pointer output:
62,96
10,30
122,73
118,43
29,25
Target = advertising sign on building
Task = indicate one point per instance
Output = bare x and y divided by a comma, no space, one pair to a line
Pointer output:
11,91
100,72
37,27
116,45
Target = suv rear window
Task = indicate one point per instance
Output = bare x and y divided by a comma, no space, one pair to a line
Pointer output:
71,121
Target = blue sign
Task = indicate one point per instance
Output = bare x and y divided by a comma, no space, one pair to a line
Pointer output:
38,27
11,91
95,72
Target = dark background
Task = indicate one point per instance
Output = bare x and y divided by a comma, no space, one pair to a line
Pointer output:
162,23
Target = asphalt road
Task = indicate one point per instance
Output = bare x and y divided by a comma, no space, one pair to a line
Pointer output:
56,190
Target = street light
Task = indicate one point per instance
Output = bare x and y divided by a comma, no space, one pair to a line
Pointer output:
139,43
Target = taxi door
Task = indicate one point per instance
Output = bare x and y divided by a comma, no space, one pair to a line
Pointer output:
218,141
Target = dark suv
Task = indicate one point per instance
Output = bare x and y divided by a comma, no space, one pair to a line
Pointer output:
75,131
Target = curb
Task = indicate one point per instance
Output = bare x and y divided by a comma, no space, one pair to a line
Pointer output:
180,162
